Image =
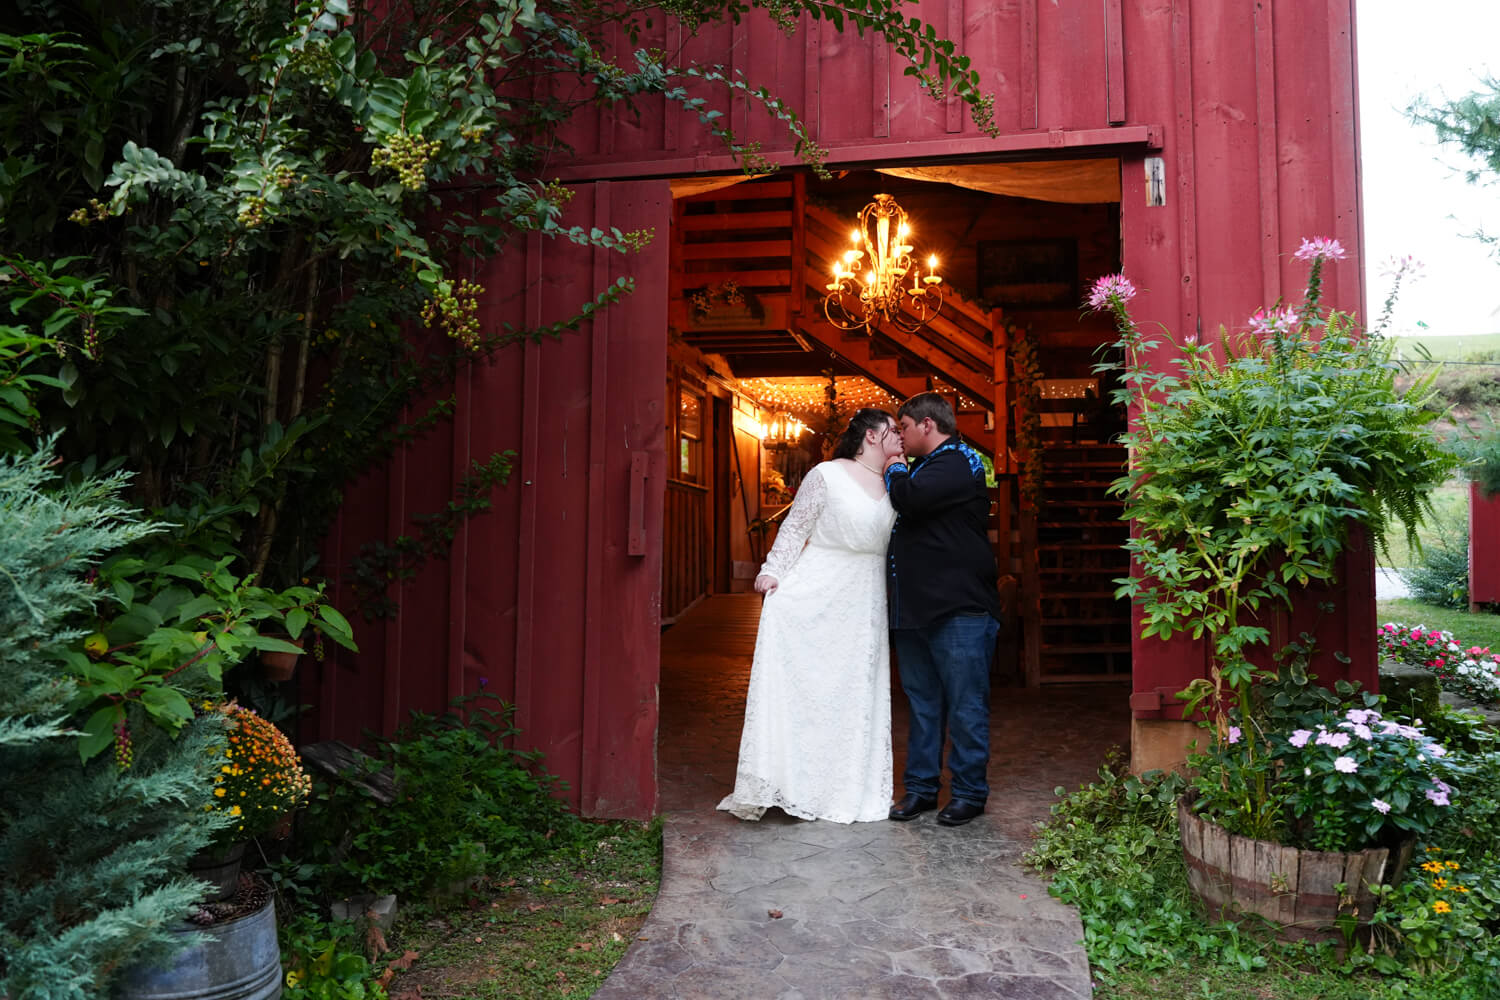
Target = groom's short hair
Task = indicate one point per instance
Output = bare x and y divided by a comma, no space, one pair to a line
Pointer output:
932,405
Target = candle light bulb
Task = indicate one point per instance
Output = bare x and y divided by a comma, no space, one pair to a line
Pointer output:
932,263
854,235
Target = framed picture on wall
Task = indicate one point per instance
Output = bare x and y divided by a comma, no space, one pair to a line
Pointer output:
1029,273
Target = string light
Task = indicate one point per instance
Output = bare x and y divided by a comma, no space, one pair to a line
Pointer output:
808,397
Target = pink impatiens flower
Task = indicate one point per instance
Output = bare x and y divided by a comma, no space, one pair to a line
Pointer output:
1336,740
1320,248
1234,734
1300,737
1111,286
1345,765
1380,806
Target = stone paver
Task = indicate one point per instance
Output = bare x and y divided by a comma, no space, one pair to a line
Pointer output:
867,910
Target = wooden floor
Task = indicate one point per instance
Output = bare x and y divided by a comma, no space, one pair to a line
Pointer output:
1039,738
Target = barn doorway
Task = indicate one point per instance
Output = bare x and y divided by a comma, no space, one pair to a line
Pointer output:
757,379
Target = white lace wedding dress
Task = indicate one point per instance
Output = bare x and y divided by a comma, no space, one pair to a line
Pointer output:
817,736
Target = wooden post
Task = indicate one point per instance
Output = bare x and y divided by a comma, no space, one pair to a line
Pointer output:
799,242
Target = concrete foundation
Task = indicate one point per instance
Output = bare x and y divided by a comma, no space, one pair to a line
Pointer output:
1160,744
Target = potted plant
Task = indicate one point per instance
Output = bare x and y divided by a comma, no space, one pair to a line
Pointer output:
258,781
1253,459
1303,812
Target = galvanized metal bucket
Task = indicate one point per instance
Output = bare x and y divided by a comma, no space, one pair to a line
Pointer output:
242,962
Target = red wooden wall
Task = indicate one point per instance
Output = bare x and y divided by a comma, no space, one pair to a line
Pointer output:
542,601
1484,547
1251,108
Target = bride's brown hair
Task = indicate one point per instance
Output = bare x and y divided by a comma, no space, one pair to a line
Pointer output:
868,419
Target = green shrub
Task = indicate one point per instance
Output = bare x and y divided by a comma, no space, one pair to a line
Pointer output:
1111,849
466,804
1473,384
1480,451
1440,572
323,961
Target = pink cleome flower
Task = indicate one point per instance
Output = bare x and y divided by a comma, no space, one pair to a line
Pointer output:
1320,248
1108,288
1264,323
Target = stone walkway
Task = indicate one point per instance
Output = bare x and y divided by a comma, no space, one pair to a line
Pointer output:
803,911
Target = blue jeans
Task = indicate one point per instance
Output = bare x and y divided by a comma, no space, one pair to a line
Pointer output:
945,672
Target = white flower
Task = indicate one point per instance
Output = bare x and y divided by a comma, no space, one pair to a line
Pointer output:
1380,806
1345,765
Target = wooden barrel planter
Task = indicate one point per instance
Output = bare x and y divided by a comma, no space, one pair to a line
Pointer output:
1293,888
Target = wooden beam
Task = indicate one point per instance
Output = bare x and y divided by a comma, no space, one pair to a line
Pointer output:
748,249
799,239
1031,600
884,372
736,220
745,279
1114,62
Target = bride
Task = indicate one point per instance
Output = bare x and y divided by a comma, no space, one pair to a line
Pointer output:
817,735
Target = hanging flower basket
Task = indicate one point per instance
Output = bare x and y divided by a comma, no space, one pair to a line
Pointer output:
1294,888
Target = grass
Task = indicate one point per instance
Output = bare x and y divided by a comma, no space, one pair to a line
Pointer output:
554,931
1448,348
1481,629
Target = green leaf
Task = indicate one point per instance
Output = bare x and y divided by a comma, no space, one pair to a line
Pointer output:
166,705
270,644
99,731
296,621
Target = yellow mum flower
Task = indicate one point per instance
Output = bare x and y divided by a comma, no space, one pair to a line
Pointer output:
234,810
219,792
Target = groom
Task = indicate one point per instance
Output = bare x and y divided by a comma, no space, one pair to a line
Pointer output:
944,609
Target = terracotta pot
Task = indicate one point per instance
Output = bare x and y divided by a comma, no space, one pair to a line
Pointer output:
280,666
1287,885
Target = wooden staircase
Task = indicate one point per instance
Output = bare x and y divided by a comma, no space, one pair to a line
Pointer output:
1084,629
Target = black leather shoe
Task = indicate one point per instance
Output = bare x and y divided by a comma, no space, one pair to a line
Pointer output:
911,806
957,813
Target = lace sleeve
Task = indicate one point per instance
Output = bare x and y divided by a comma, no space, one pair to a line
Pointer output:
798,526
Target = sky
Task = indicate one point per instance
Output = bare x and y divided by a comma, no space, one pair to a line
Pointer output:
1416,198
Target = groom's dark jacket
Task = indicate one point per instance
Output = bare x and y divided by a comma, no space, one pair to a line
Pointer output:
940,561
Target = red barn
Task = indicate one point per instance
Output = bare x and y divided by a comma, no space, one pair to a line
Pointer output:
1191,145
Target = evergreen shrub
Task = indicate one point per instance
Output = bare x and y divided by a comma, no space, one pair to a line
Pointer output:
93,852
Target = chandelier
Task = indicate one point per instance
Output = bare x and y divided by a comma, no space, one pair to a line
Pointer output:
782,431
876,282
